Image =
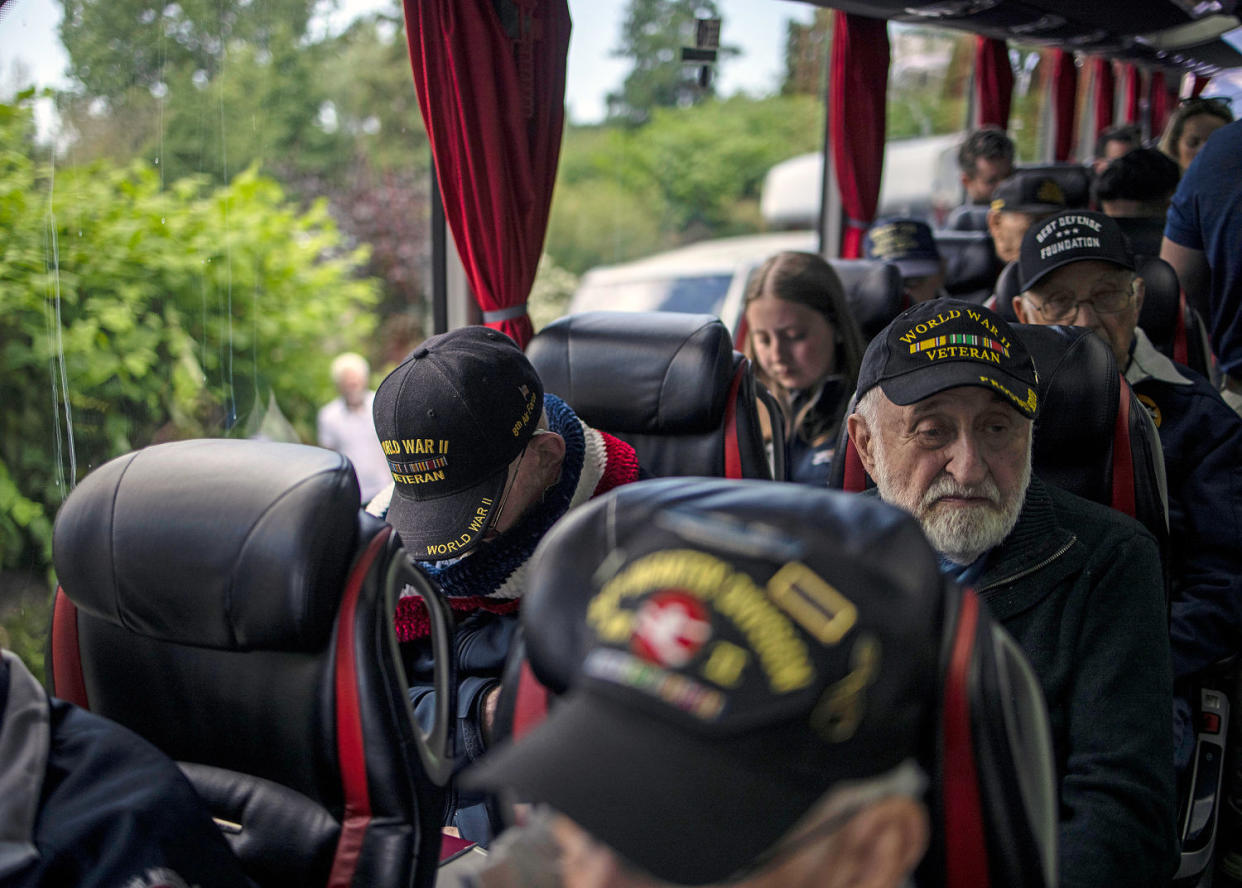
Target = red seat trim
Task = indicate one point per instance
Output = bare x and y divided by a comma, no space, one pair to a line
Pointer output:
350,748
966,854
67,679
1181,349
1123,456
452,846
732,449
854,479
531,705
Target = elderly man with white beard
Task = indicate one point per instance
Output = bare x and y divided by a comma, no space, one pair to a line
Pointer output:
946,402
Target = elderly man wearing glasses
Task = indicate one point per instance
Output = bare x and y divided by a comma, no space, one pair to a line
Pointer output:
1075,268
482,463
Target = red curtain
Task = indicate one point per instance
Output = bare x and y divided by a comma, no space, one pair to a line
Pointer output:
1162,97
1130,100
856,109
1199,84
1105,94
1064,95
493,101
993,82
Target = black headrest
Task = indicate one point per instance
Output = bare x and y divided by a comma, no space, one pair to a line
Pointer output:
1145,233
886,544
1074,179
1162,301
968,217
1079,388
1006,289
227,544
873,290
970,262
638,372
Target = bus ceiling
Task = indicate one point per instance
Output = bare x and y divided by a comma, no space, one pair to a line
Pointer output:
1184,34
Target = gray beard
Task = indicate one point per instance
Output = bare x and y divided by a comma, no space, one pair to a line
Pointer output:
960,534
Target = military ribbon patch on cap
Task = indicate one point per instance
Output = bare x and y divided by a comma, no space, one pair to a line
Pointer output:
959,339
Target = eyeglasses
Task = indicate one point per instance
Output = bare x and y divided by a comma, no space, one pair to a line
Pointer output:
1064,306
490,532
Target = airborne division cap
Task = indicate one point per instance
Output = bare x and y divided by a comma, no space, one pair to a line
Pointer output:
946,343
742,649
451,418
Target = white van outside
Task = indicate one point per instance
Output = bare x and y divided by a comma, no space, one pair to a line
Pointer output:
920,178
708,277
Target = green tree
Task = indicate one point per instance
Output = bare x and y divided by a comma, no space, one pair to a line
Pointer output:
115,45
132,313
652,36
690,173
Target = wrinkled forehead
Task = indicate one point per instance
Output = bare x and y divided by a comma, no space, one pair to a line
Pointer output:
1083,275
964,402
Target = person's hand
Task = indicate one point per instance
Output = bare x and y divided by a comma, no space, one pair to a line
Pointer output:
491,699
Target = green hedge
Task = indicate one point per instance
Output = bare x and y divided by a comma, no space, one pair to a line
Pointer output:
133,312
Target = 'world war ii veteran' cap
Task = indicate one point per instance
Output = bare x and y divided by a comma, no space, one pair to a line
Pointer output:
733,652
946,343
451,418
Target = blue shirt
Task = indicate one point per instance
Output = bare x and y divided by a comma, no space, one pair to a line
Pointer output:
964,574
1206,215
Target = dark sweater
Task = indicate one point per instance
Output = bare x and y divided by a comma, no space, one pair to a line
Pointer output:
1079,587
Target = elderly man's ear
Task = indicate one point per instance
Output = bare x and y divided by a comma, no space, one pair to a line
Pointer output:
860,434
549,449
1019,309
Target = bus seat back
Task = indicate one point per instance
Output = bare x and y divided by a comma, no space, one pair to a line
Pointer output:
873,290
228,601
970,264
669,384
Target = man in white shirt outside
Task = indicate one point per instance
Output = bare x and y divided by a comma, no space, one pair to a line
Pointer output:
345,424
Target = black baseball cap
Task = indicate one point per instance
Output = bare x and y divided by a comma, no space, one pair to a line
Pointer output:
742,650
1029,192
907,243
1070,236
946,343
451,418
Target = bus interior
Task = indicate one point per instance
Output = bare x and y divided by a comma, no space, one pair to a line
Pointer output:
275,254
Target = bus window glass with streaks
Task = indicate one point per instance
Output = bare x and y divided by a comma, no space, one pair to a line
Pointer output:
202,205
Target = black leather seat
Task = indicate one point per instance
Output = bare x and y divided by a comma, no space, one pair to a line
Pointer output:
970,263
228,601
873,290
990,721
669,384
1172,323
1001,300
968,217
1092,436
1145,233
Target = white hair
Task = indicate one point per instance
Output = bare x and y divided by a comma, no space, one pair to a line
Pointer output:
348,361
